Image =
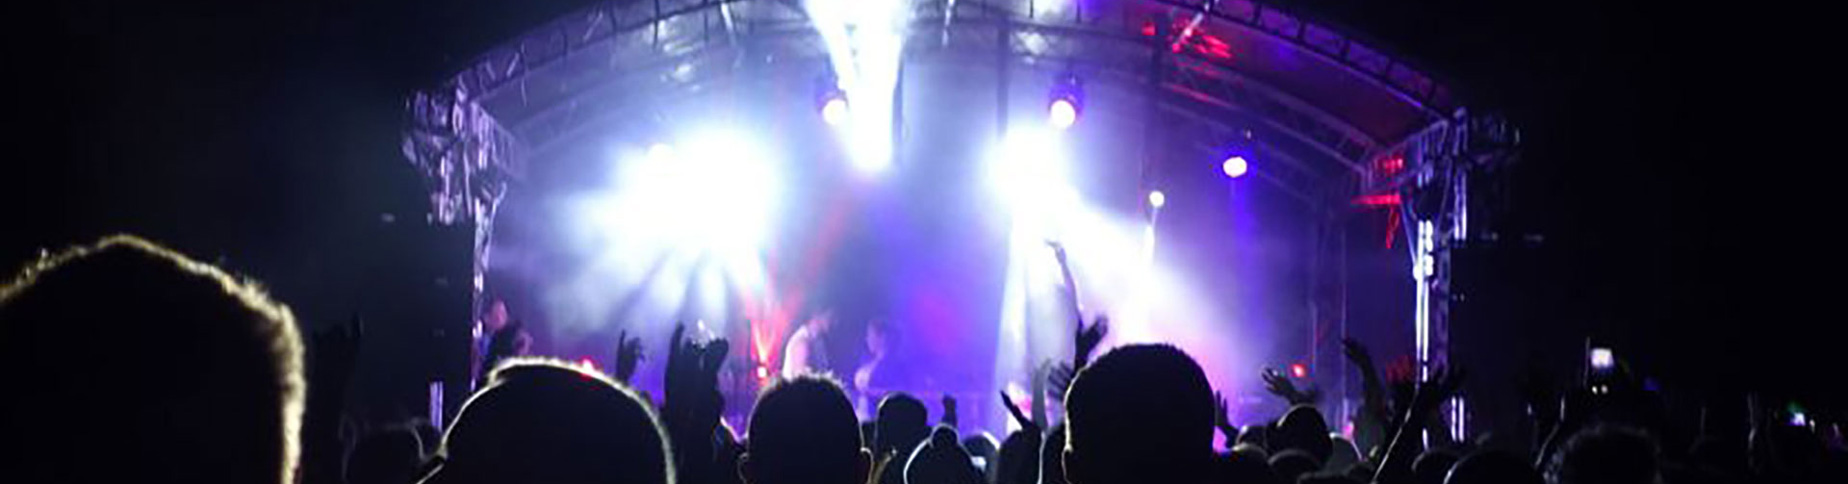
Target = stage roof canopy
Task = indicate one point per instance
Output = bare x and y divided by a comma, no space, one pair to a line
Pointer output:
1337,100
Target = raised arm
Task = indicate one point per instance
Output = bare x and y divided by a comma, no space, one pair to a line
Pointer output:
1396,468
628,356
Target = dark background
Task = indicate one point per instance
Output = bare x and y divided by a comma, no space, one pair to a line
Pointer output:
265,135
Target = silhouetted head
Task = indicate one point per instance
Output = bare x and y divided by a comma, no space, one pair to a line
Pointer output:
1327,477
387,456
1718,453
1605,455
546,421
1249,466
1304,429
982,447
1292,463
1344,454
803,431
1362,472
1251,452
1790,452
128,362
941,460
1018,460
1140,413
1254,434
1432,466
1492,467
901,423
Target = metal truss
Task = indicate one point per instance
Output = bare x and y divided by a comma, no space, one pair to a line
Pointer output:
582,50
1439,164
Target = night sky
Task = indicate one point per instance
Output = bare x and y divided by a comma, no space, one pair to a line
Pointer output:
265,135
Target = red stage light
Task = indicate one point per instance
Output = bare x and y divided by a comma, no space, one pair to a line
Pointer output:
1378,200
1299,370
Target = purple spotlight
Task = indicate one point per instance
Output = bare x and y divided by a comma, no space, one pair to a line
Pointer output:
1063,113
834,110
1235,166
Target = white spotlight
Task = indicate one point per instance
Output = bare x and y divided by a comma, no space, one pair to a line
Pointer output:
1065,101
660,153
712,190
1235,166
1062,114
1157,199
1029,174
834,111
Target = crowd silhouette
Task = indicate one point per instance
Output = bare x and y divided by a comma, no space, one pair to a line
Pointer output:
190,374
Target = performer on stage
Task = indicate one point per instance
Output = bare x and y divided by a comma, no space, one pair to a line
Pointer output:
869,379
875,354
807,349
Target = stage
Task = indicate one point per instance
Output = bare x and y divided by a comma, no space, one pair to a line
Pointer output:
1231,179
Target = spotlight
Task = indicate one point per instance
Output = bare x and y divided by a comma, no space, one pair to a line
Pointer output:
1063,113
1299,370
831,99
660,153
1029,171
1157,199
1235,166
834,111
714,189
1066,102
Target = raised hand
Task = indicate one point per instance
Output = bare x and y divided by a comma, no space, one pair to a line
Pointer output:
675,379
1071,285
1277,384
1059,377
1540,394
693,402
675,351
1357,353
1026,423
1222,421
628,355
949,410
1058,250
335,354
693,368
1397,465
336,350
1042,376
1086,339
1443,384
